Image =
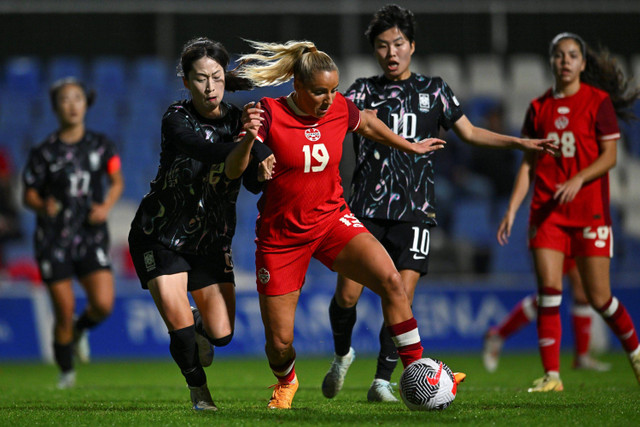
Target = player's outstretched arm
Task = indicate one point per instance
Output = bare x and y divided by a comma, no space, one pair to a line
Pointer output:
485,138
371,127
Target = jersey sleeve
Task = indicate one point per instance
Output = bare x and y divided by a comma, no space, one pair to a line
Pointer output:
185,139
606,121
35,171
451,109
111,159
354,115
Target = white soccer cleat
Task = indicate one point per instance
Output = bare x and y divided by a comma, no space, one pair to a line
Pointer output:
491,348
634,358
334,379
205,348
66,380
381,391
81,347
201,399
588,363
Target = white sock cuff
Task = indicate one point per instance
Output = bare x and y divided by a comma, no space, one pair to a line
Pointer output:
613,307
529,307
581,310
549,300
408,338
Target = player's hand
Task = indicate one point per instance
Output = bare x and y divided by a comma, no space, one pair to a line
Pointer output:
98,214
251,118
504,229
52,207
547,145
427,145
568,190
265,168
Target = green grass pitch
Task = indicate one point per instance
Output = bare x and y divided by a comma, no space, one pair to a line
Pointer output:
153,393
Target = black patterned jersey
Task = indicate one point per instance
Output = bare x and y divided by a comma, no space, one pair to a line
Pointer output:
387,183
191,206
73,174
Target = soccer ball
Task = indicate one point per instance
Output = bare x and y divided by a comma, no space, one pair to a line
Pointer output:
427,384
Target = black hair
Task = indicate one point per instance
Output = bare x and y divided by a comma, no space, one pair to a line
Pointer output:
391,16
55,88
200,47
603,71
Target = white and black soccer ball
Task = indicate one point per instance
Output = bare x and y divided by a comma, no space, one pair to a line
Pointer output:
427,384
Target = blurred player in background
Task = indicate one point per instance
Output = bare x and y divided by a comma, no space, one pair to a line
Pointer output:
569,215
526,311
180,238
9,219
64,185
393,193
302,211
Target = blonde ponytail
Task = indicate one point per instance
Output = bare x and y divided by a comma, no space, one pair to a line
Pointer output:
274,63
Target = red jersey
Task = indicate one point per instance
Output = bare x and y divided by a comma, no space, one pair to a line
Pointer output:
578,123
305,190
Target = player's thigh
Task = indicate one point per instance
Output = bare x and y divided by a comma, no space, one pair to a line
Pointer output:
365,261
278,316
63,300
550,244
217,306
575,282
169,293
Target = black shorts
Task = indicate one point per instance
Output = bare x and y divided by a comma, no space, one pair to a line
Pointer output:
152,259
57,263
407,242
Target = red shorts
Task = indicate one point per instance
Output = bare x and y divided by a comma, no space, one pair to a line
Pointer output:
568,264
282,269
573,241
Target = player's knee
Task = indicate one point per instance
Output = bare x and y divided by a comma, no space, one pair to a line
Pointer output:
221,342
102,310
393,283
345,300
281,345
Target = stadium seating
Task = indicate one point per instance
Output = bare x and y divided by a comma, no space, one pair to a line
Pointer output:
66,66
528,77
471,221
449,67
23,75
109,75
486,75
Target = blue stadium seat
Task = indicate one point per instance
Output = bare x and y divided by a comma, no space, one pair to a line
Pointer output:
109,75
631,132
151,73
66,66
105,116
471,221
23,75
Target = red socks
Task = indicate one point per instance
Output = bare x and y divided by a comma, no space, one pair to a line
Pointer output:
549,328
581,321
286,372
407,340
618,319
521,315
